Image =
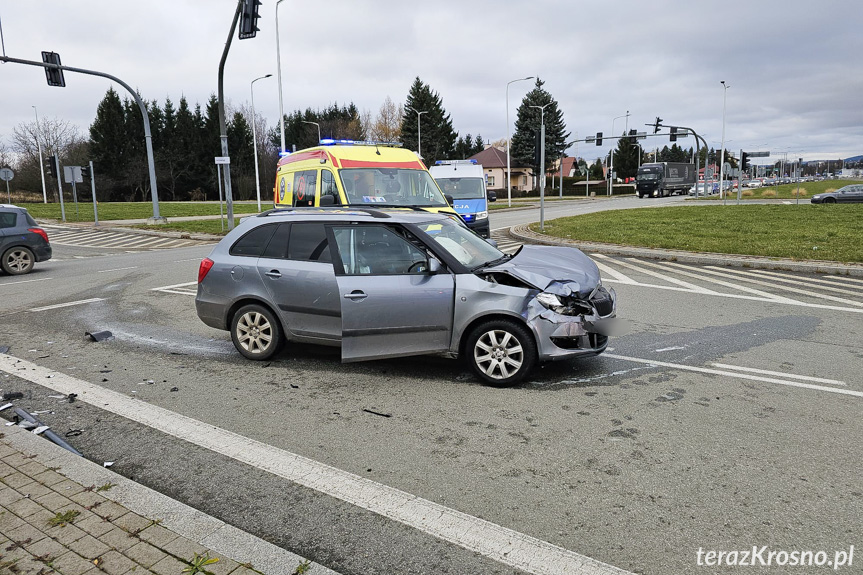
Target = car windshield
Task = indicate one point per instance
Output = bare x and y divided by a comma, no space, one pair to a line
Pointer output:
647,176
468,248
391,186
462,188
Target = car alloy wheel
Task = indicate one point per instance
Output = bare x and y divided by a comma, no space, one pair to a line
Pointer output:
17,261
501,352
255,332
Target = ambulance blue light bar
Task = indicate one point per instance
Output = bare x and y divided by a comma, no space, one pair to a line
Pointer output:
449,162
333,142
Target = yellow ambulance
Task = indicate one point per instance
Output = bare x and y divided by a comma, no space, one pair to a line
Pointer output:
352,173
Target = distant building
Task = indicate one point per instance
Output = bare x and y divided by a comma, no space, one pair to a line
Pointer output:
493,161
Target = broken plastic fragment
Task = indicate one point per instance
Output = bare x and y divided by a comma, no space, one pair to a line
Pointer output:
41,429
108,464
99,335
4,349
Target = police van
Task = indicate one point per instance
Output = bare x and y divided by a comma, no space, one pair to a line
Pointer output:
464,180
353,173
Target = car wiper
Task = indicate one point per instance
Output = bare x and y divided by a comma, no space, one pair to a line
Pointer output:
492,263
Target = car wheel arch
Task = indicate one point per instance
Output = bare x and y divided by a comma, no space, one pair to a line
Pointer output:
474,322
244,301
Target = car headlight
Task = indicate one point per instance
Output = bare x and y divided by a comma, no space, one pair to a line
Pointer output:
573,307
482,215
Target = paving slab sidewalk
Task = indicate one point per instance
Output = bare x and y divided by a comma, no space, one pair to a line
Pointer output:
62,514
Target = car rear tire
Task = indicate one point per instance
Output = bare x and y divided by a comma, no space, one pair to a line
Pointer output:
17,261
501,352
256,332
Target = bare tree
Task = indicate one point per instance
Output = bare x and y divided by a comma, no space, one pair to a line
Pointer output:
387,125
57,136
6,157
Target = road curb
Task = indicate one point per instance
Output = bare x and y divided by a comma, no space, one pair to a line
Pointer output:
525,234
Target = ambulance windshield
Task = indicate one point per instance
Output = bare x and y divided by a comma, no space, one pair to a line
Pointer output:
391,186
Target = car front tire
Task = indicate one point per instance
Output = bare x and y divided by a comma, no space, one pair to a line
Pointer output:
501,352
17,261
256,332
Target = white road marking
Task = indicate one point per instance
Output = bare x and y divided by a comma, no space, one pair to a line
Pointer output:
780,373
672,267
504,545
188,260
173,287
25,282
117,270
67,304
676,347
765,275
616,275
735,374
691,287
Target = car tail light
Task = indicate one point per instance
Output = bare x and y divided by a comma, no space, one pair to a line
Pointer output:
206,265
41,232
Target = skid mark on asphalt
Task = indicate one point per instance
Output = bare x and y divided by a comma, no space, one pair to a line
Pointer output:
499,543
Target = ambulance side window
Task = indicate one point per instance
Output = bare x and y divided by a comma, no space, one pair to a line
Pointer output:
328,187
304,187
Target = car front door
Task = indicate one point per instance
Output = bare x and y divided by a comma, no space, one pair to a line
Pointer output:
391,305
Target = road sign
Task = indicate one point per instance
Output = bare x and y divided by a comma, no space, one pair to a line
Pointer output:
225,160
6,174
726,168
72,174
708,174
641,135
759,154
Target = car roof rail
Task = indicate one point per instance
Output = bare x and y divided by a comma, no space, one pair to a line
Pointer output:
375,213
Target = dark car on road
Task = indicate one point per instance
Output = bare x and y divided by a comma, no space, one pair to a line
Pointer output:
844,195
384,283
22,241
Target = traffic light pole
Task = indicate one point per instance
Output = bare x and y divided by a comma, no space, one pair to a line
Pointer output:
93,190
147,135
56,161
223,129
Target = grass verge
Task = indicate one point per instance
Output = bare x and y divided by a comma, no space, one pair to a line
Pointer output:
134,210
215,227
786,191
804,232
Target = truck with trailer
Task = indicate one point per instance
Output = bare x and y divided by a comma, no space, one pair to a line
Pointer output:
664,179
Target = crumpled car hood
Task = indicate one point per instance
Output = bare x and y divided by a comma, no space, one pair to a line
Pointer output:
554,269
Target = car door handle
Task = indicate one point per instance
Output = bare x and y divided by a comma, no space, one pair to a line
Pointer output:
356,294
275,274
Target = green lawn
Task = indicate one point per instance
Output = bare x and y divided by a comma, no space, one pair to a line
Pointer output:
135,210
802,232
215,227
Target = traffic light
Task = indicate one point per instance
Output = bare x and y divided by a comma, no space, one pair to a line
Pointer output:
249,18
744,162
632,134
54,75
673,136
49,168
85,172
656,125
599,138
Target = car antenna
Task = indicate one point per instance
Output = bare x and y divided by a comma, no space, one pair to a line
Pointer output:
377,151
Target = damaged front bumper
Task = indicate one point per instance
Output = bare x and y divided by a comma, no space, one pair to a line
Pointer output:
566,335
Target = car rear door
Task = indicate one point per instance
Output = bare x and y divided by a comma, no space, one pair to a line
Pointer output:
391,306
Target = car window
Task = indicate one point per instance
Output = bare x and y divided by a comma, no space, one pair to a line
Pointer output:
377,250
304,187
308,242
254,242
30,220
7,219
328,186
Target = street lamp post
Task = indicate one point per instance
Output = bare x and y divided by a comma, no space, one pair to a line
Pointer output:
722,155
255,138
279,78
41,167
542,166
419,129
508,173
611,154
319,129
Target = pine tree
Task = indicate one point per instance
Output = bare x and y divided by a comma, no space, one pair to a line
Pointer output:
108,143
438,137
528,123
626,158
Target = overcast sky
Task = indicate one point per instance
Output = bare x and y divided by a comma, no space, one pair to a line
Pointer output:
794,68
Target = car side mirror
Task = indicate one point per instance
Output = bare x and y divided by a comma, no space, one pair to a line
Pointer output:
492,197
491,242
449,199
434,267
327,200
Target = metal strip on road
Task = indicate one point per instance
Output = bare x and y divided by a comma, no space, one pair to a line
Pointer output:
735,374
499,543
67,304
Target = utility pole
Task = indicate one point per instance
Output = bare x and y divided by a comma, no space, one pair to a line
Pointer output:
223,129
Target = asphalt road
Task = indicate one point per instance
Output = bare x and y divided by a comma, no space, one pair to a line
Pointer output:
727,418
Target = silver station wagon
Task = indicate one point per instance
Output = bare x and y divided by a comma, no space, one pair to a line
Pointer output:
385,283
